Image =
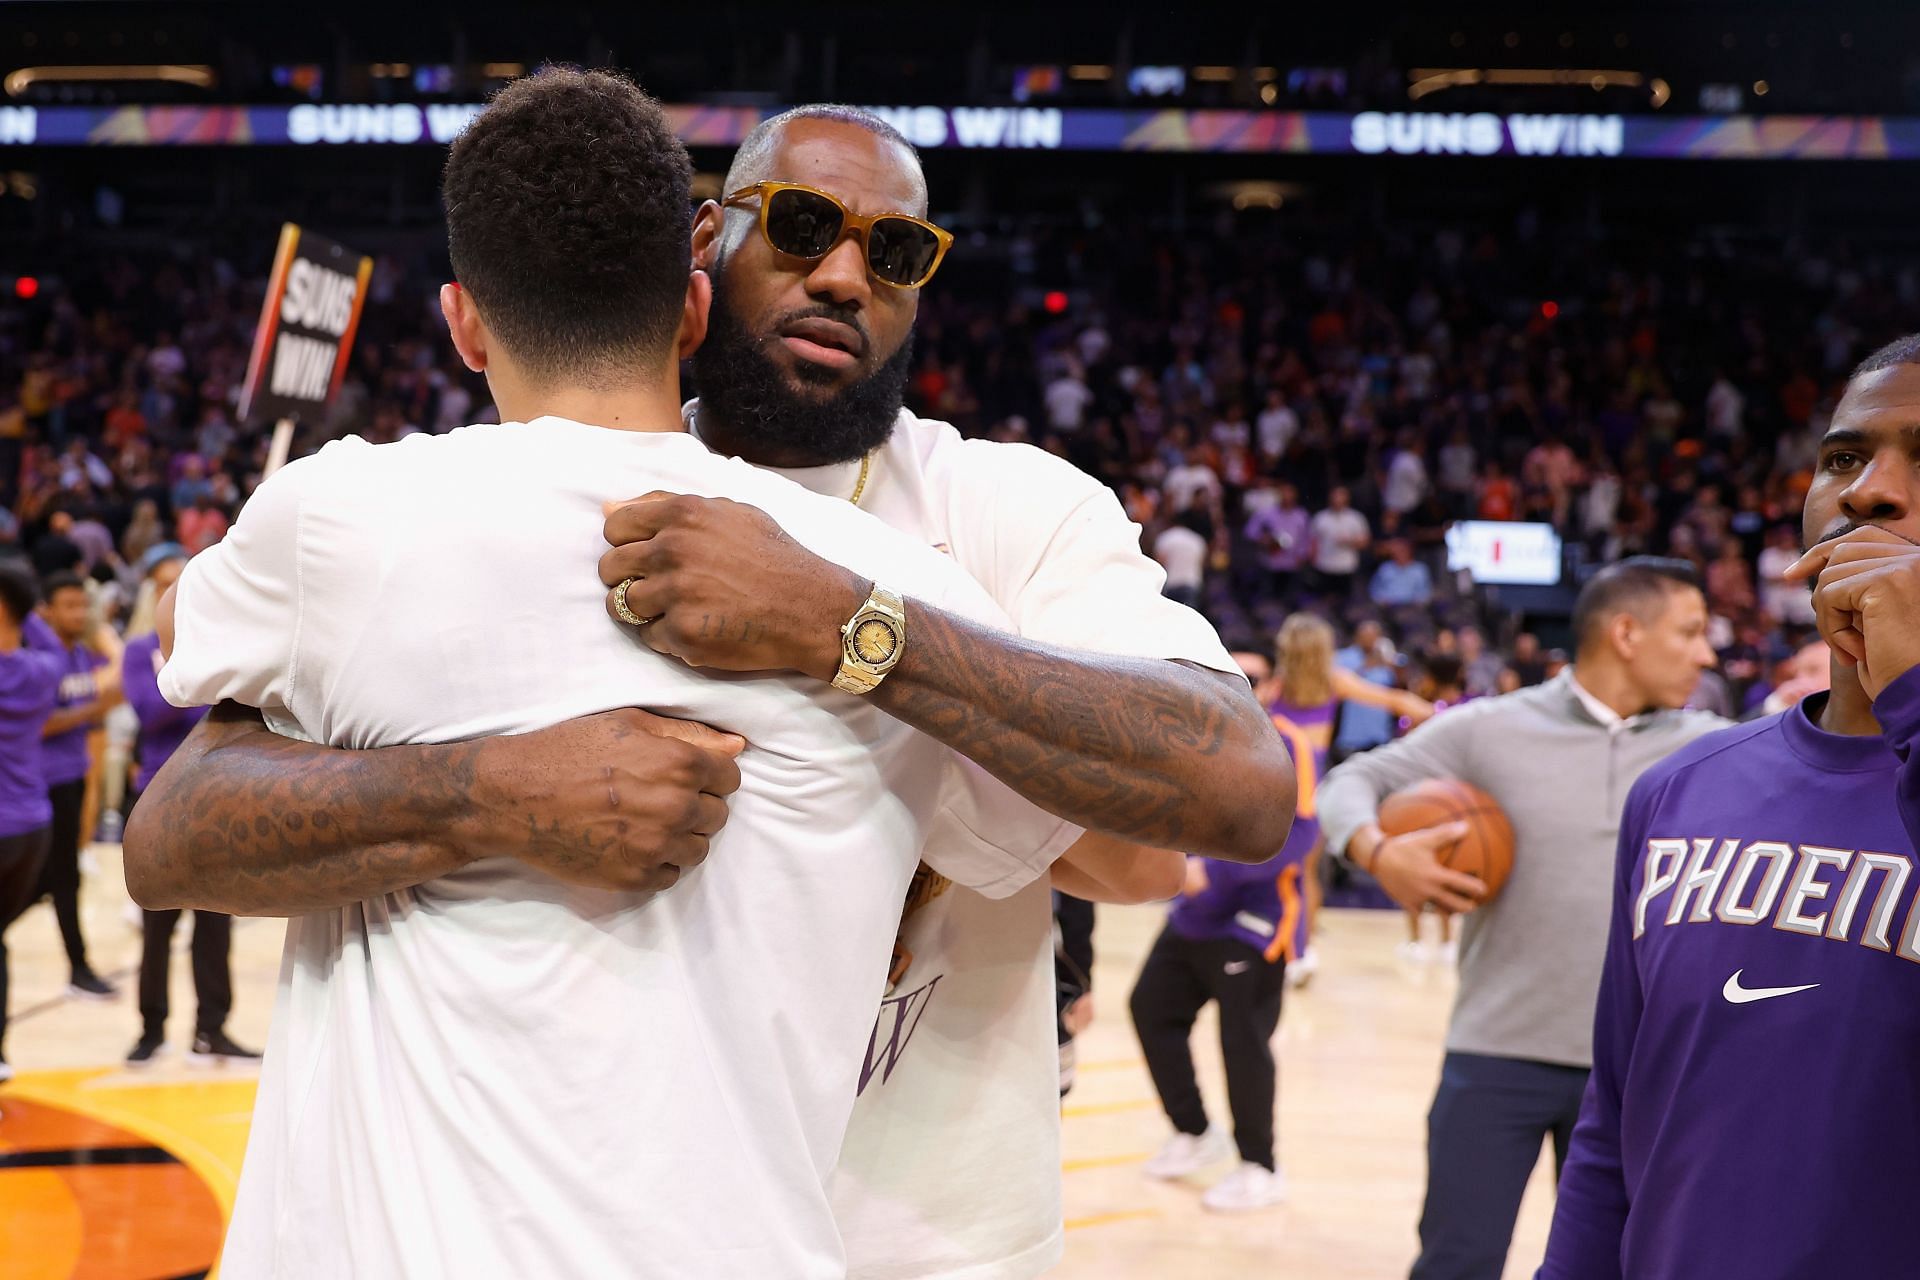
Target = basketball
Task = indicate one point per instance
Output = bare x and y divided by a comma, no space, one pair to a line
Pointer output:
1485,851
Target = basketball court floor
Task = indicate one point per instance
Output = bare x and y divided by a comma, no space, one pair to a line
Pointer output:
107,1174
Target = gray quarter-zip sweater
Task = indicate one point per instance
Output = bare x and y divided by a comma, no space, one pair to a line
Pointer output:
1529,960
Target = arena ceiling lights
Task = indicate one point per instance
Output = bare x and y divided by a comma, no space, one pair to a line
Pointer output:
199,77
1425,81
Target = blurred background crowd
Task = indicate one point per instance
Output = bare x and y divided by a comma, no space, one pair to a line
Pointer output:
1296,411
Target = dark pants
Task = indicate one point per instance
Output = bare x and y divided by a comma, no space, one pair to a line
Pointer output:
60,877
1180,977
212,977
1483,1139
20,859
212,974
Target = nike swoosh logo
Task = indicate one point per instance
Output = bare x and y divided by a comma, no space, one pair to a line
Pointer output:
1737,994
1239,966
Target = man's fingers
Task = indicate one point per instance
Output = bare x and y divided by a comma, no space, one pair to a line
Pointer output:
646,598
1869,540
640,519
629,560
710,815
1453,903
1436,837
695,734
1447,880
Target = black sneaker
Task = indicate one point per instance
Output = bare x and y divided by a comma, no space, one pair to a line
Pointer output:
149,1048
91,986
215,1047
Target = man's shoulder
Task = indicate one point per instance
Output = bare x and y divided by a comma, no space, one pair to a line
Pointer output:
952,461
1713,741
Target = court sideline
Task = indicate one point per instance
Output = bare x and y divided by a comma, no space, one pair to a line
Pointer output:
1359,1053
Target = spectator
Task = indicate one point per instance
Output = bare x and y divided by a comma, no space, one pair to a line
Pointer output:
1182,551
1278,425
1340,534
1067,399
1190,480
1529,664
1401,580
1783,601
1284,535
1480,667
1730,581
1406,484
1363,727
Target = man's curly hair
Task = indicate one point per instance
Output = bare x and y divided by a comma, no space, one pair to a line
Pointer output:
570,223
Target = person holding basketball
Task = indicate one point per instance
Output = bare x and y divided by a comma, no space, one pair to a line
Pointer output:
1558,758
1752,1104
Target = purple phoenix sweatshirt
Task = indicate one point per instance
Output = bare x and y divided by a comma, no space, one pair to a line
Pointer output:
63,758
29,683
163,726
1755,1099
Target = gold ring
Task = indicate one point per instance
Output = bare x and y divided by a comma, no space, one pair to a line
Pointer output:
625,612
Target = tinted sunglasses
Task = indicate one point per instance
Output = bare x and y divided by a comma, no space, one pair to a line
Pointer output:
803,222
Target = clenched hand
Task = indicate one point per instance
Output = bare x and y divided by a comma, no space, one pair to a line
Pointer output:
1866,598
623,800
725,587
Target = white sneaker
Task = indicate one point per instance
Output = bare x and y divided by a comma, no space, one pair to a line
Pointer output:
1247,1188
1186,1153
1301,971
1449,954
1412,952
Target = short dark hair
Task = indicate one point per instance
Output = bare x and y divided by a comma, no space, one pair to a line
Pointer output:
57,582
18,594
570,222
1632,586
752,155
1900,351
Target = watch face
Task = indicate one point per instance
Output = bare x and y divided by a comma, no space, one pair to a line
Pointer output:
874,641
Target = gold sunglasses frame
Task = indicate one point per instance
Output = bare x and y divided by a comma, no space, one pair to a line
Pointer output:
851,223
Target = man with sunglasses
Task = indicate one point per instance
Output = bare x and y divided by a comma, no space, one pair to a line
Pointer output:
1114,708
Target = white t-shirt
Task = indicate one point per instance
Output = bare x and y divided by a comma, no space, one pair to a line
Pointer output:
1784,601
1332,531
1183,554
1406,486
951,1168
1277,427
1188,481
1067,401
498,1075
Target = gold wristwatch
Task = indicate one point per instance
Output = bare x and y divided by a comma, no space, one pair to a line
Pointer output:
871,642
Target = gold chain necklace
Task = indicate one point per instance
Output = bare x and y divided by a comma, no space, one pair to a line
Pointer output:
860,485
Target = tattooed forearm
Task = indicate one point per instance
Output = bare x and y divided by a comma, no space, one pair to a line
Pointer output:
1152,751
245,821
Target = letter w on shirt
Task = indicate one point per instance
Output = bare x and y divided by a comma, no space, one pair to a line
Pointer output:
899,1018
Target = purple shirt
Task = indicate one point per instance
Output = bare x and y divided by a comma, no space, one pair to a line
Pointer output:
163,726
63,758
1754,1101
1263,904
29,681
1291,530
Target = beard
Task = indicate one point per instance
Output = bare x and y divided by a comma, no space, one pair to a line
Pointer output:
753,405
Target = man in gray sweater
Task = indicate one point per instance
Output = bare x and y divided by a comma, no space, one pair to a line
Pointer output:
1559,759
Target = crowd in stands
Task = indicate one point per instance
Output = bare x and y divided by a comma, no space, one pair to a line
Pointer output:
1294,410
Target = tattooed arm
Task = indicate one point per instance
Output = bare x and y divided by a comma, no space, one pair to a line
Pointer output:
1152,751
245,821
1155,752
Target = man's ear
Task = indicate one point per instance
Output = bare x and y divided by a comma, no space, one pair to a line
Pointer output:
708,223
693,314
464,326
1625,632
